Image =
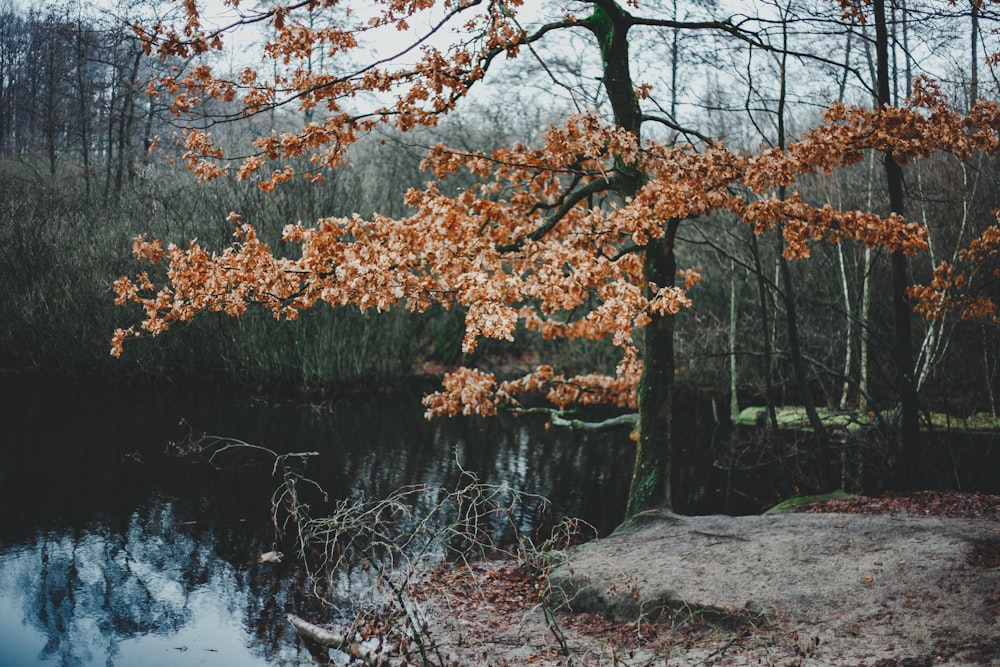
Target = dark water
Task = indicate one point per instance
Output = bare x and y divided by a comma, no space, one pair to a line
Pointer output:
114,553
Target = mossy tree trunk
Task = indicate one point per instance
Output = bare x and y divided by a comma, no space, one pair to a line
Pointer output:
650,487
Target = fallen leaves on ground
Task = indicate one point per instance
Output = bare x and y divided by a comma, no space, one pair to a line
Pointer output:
504,588
489,604
484,610
953,504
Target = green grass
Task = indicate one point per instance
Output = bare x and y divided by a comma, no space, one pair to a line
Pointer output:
978,422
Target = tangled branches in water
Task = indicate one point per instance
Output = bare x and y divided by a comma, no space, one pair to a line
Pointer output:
395,546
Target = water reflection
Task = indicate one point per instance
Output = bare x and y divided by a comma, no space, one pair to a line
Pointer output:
151,591
114,553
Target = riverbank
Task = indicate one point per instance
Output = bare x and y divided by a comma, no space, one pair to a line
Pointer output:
885,589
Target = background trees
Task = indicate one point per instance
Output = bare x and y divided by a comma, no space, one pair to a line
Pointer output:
69,91
578,231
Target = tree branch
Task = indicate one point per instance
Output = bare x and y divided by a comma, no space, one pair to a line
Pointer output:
558,418
729,27
342,643
674,126
573,198
629,419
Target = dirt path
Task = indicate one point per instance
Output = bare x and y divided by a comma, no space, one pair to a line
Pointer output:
796,589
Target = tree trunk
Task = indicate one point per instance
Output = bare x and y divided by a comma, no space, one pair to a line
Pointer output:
369,655
974,59
83,101
865,292
788,293
989,368
864,315
765,325
650,487
908,447
845,291
734,401
126,121
801,381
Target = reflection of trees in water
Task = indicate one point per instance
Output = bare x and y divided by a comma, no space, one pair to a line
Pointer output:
377,455
90,589
103,586
270,592
144,573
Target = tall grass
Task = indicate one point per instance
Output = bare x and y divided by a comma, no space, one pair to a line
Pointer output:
60,253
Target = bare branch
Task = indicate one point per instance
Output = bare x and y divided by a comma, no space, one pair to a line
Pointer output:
572,199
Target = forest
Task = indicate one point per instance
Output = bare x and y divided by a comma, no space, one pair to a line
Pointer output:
322,319
848,273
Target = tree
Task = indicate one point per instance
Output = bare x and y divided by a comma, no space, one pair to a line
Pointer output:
906,385
11,49
70,90
574,238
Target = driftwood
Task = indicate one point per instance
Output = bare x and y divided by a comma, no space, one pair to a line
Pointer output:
270,557
342,643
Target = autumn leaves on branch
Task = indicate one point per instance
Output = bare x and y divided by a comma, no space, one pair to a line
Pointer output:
541,238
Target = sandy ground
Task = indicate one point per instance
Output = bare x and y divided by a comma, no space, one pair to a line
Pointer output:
792,589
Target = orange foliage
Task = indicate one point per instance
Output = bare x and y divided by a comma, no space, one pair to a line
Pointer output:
954,289
519,246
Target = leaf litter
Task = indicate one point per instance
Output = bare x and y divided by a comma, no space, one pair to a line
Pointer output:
894,581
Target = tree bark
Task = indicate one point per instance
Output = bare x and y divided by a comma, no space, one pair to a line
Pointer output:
974,57
908,448
788,298
845,291
342,643
765,325
650,488
799,371
734,400
83,99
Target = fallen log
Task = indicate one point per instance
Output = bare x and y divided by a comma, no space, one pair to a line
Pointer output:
368,655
